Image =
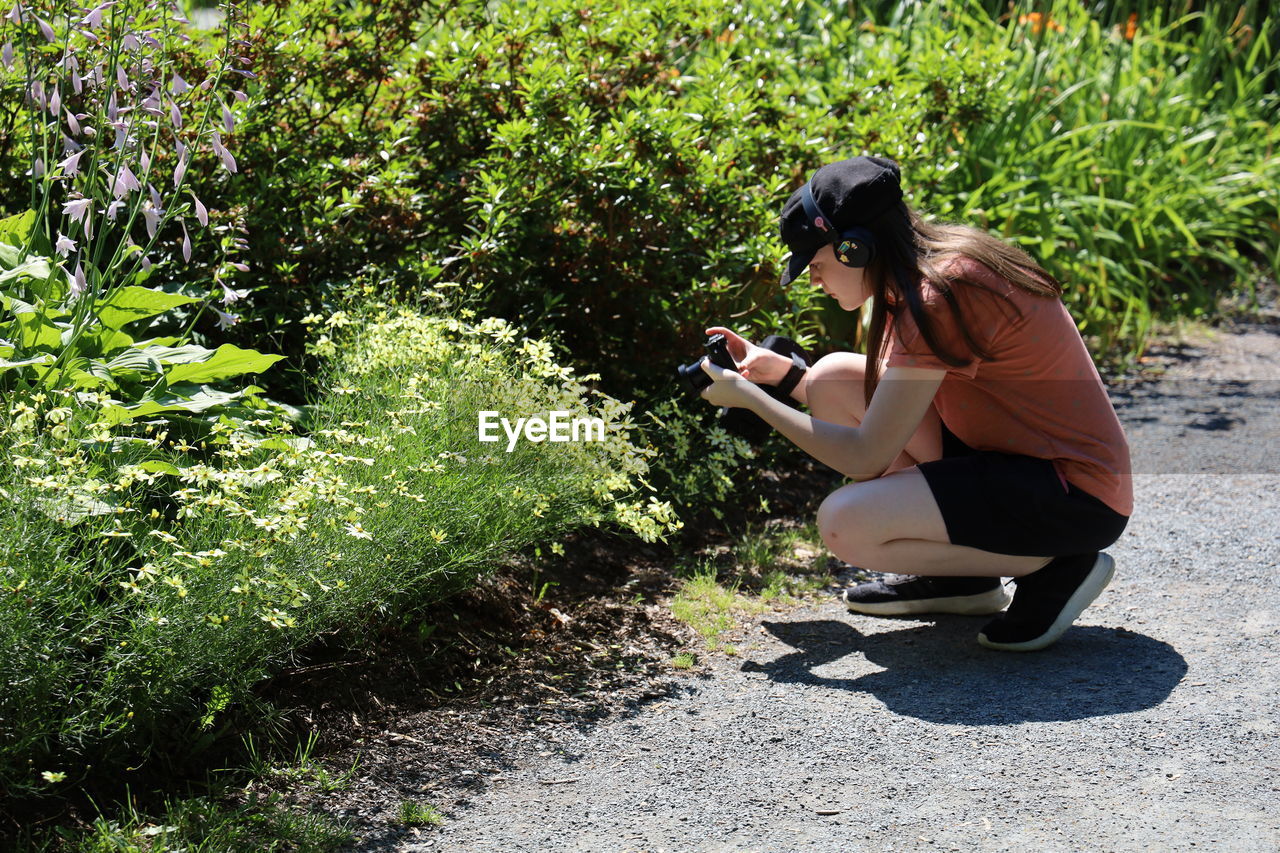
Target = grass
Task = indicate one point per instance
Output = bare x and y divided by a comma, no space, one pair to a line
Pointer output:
203,824
1138,165
767,567
414,813
684,660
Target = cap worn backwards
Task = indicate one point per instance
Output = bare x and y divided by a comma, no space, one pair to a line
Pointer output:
851,192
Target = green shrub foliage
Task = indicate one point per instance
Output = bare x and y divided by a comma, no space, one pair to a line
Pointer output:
147,582
614,174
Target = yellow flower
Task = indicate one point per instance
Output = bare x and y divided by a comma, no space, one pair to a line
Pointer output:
353,528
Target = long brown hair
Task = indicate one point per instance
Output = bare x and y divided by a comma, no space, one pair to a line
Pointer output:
910,252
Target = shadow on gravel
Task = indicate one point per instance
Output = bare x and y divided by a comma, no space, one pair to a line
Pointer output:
1195,426
938,672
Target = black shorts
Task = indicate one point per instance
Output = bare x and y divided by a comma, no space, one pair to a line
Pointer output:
1011,504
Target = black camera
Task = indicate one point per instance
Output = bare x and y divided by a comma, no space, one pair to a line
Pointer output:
740,422
694,377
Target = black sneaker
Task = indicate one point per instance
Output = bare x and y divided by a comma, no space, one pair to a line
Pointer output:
904,595
1047,601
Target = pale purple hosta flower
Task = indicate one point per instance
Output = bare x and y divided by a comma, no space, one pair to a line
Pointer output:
65,245
55,102
129,42
78,282
151,106
144,160
202,213
77,209
73,122
71,166
45,29
113,210
15,14
36,93
222,153
77,83
37,168
225,320
186,244
123,79
155,196
94,18
179,85
124,183
151,214
180,171
6,56
240,96
229,295
228,121
175,115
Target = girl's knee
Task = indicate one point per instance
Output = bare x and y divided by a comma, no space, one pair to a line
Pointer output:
838,524
835,388
847,366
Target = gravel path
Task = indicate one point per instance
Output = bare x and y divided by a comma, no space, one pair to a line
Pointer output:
1152,725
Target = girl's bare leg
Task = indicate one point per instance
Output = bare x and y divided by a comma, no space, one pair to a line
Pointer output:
834,393
892,523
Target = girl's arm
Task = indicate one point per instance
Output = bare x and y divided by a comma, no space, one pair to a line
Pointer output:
861,453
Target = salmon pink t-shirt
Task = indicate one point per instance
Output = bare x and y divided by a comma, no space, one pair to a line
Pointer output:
1038,394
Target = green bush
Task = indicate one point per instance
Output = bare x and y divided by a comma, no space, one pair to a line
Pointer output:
139,601
614,174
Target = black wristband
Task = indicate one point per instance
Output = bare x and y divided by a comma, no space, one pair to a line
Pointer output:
792,379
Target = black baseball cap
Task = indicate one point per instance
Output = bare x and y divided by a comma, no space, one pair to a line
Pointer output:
852,192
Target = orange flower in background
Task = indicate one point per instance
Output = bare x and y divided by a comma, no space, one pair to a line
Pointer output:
1038,22
1131,28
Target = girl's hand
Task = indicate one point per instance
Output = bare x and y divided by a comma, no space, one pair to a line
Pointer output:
762,366
728,388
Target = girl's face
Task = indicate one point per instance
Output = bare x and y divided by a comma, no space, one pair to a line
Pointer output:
847,285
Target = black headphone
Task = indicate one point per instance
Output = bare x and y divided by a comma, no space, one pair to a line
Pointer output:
854,248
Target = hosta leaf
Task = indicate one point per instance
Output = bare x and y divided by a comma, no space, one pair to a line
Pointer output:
105,341
228,360
5,364
30,267
133,359
15,230
182,398
159,466
132,303
177,355
37,331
